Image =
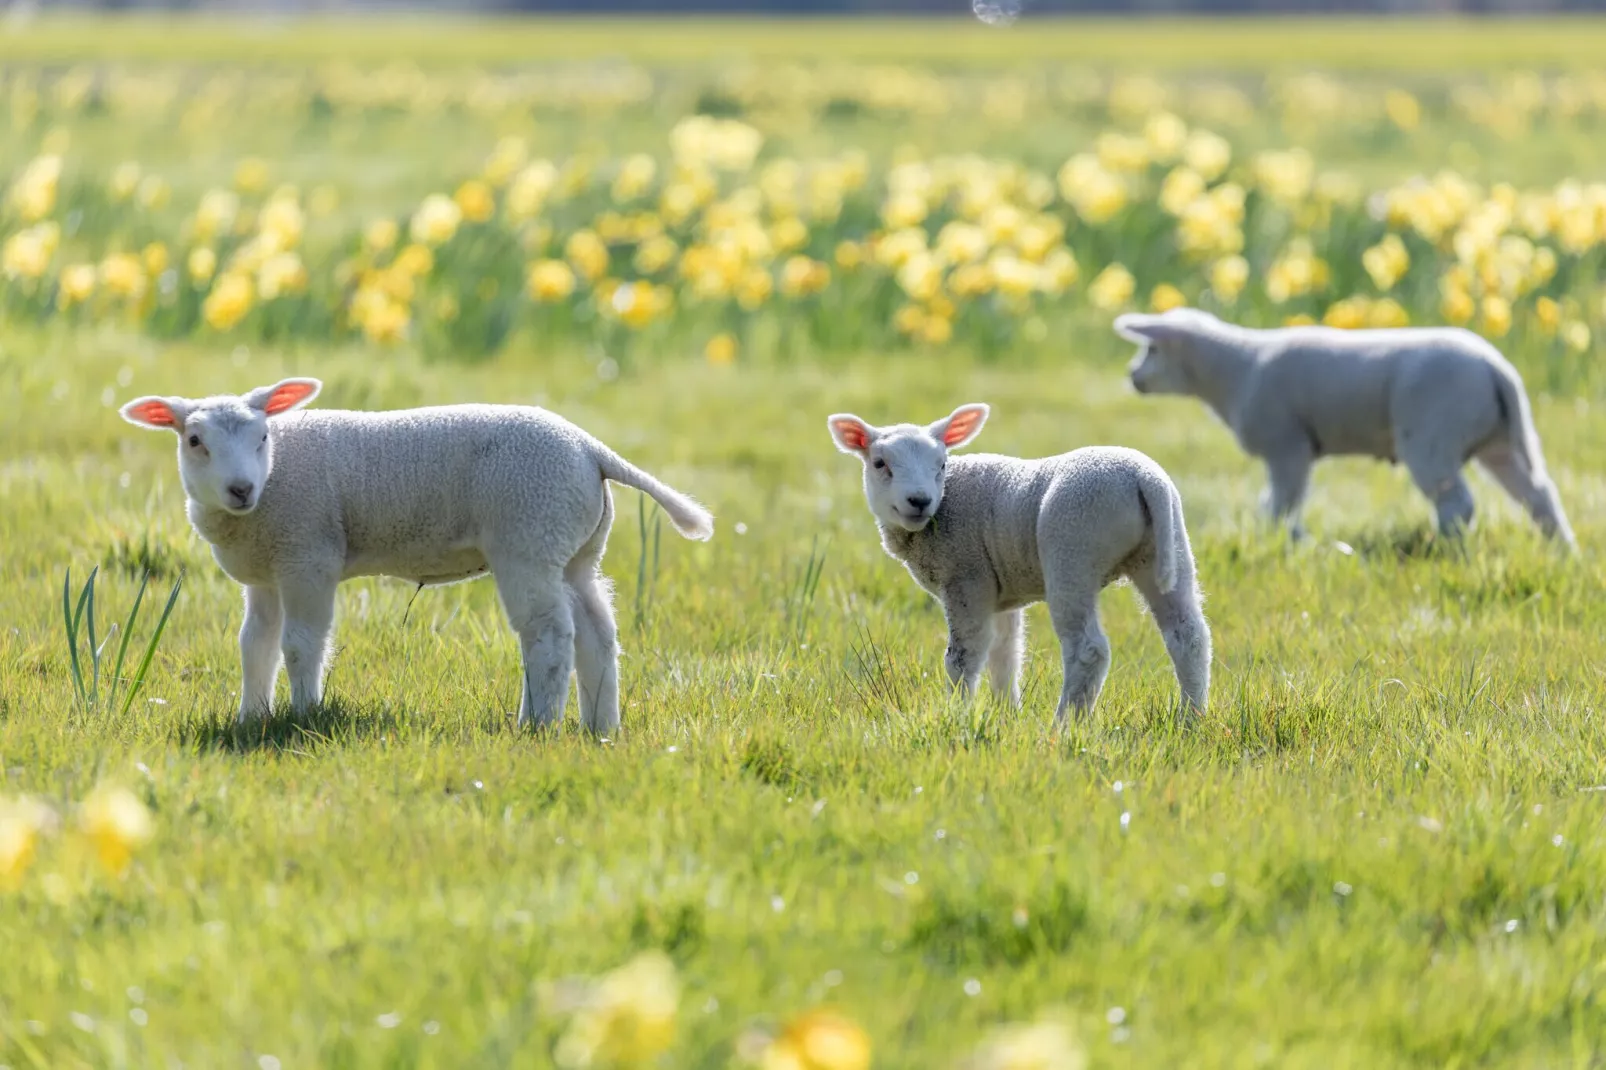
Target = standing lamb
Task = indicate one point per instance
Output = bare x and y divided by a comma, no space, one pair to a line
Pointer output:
989,535
295,502
1432,398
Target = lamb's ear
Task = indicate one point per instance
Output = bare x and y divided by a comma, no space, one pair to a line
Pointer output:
851,434
157,414
1141,327
961,427
283,396
1137,327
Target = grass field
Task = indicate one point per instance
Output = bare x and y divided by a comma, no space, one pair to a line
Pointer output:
1382,847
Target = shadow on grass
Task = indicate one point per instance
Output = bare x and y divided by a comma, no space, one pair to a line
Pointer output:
333,722
1416,543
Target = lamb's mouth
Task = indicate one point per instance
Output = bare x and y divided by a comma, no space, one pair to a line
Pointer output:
913,521
240,510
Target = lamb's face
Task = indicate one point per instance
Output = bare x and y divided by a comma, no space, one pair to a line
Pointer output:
903,473
1157,370
224,455
1162,365
904,465
225,452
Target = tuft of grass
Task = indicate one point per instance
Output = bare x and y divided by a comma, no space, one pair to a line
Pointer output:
79,620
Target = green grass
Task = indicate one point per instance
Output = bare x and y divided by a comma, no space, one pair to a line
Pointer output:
1415,725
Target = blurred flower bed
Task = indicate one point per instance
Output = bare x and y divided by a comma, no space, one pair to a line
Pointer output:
725,242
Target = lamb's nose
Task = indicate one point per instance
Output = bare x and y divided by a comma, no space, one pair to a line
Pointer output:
241,492
919,502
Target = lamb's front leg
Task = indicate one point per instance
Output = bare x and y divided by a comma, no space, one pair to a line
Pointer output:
970,636
1289,473
259,651
309,616
1004,659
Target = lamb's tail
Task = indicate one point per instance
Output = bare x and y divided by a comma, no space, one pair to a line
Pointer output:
1165,515
1519,418
689,518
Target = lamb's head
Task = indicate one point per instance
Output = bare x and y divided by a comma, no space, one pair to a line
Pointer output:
224,450
1164,362
904,464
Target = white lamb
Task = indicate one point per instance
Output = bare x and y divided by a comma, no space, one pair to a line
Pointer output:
989,535
1431,398
294,503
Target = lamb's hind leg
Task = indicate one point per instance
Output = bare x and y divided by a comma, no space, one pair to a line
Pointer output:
1439,477
1535,494
539,609
1005,656
1083,648
1181,620
596,636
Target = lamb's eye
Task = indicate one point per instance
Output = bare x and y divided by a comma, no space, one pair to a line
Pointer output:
195,440
881,466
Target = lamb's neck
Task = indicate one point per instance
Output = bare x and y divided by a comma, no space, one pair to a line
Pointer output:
898,542
1222,368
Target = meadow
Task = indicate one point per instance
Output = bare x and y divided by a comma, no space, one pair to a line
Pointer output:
1382,846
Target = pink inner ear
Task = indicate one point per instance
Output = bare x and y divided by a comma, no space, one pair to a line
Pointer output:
853,435
288,396
155,413
960,427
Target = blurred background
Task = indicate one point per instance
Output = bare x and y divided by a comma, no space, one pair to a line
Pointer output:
862,7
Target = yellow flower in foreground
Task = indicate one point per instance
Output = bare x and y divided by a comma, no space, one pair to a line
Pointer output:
436,220
1165,297
721,349
629,1016
550,280
1112,289
231,298
118,825
22,823
476,200
77,283
818,1040
1041,1046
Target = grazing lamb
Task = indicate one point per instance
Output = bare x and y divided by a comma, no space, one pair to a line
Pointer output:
295,502
1432,398
989,535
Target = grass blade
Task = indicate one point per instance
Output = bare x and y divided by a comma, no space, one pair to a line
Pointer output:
150,648
70,623
128,631
94,647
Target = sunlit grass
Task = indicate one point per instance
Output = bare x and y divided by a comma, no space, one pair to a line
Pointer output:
1382,846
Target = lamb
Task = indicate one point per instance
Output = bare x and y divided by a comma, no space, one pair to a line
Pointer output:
1432,398
295,502
988,535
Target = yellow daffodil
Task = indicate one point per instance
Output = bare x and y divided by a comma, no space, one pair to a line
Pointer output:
1037,1046
550,280
819,1040
628,1018
229,301
77,284
1112,288
117,824
1165,297
721,349
475,200
436,220
23,823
